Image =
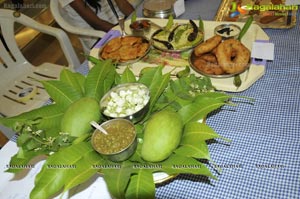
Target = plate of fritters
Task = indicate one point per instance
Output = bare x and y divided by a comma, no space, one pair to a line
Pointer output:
125,49
220,59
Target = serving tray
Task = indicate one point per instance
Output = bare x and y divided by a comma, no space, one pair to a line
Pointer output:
266,13
248,77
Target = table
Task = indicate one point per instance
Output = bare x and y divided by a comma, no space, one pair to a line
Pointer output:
263,159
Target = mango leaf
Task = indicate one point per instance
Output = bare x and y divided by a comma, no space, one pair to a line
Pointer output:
93,60
183,73
57,170
181,89
141,186
198,110
84,169
137,156
157,88
49,115
176,164
213,95
127,76
74,79
117,180
109,81
156,82
197,132
197,150
94,83
22,158
147,74
170,98
63,94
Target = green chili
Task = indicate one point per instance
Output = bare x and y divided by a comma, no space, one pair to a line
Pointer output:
133,17
170,23
94,60
178,35
237,81
201,25
245,27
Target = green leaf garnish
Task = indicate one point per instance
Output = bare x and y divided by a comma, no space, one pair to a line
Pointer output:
39,131
245,27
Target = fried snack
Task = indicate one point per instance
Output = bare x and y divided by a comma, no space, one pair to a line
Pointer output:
209,57
130,40
113,45
208,67
128,52
122,49
141,49
115,55
232,56
208,45
227,57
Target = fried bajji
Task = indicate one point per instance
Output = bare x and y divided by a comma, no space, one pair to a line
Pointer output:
112,45
142,48
130,41
122,49
208,45
127,52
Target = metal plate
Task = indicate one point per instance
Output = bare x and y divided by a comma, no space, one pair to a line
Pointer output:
120,62
158,46
192,59
262,13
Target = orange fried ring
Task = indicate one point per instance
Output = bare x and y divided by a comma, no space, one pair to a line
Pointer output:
208,67
208,45
232,56
209,57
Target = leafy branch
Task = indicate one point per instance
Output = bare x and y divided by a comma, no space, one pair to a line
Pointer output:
40,131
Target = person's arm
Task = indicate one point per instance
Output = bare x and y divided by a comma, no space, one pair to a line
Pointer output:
90,16
125,7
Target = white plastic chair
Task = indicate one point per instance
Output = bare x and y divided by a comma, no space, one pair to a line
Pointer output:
135,3
56,11
62,22
17,74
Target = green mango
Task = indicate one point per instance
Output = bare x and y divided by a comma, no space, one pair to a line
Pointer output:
162,135
77,118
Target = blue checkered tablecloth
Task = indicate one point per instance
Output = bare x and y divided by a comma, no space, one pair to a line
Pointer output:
263,159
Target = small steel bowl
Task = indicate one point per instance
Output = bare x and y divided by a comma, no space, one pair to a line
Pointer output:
134,116
163,14
228,31
118,130
140,27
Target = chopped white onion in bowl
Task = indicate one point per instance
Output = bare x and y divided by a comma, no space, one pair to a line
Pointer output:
125,100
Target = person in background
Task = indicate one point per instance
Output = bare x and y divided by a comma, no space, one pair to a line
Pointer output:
95,14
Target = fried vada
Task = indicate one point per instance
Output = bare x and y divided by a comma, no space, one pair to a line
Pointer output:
208,45
232,56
